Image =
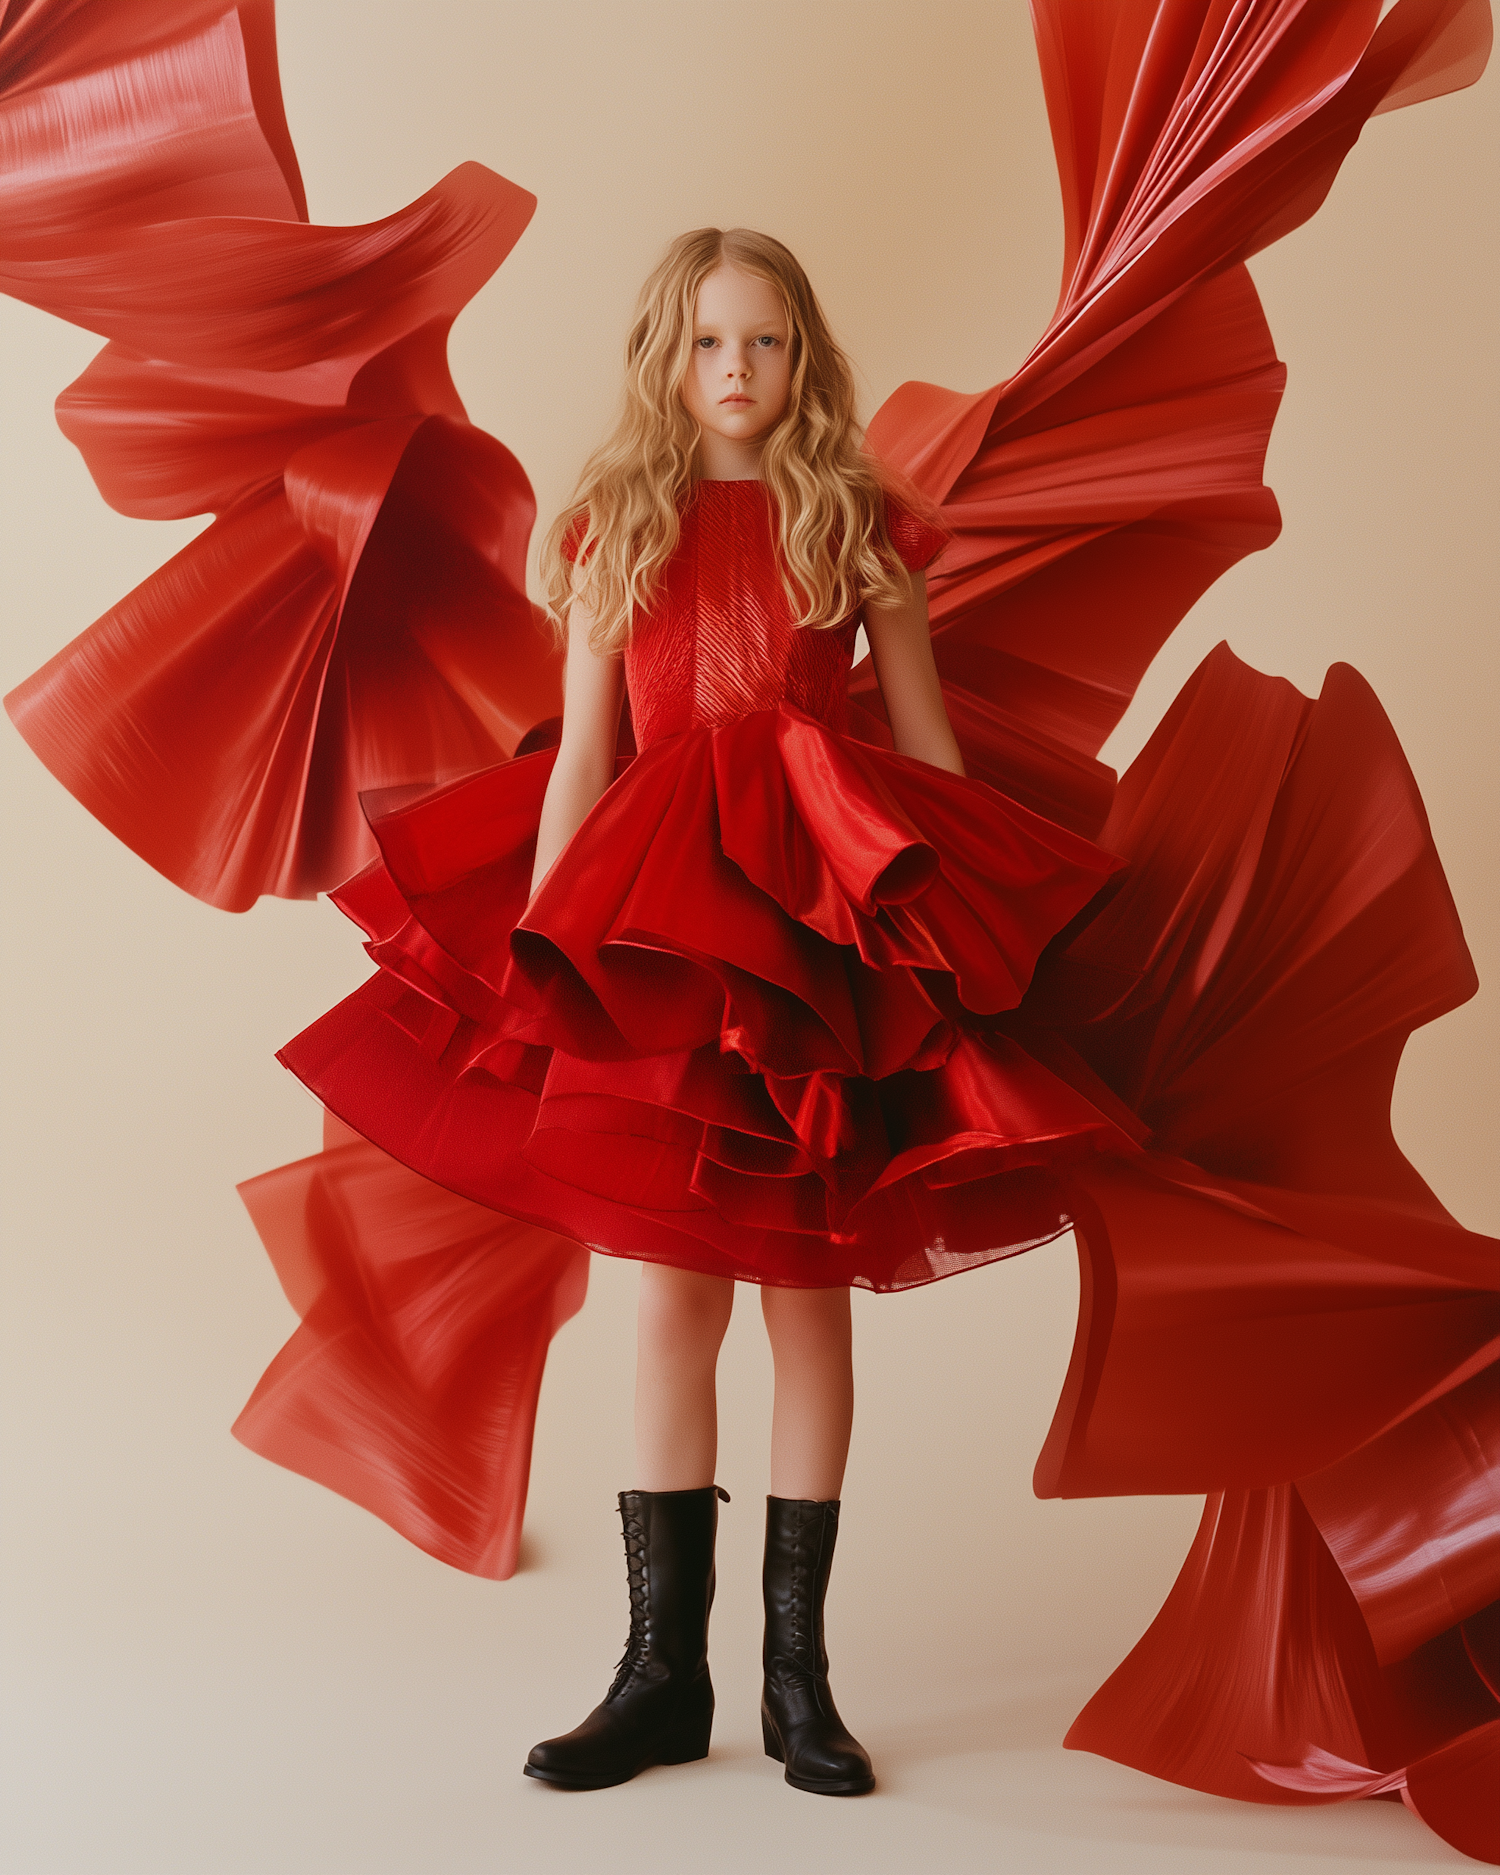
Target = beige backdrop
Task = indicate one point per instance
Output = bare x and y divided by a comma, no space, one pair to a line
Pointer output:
219,1668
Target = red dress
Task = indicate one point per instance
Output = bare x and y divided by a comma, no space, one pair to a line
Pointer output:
754,1020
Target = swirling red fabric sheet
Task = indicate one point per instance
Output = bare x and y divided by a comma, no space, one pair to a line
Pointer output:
356,617
1276,1310
411,1386
370,544
1124,457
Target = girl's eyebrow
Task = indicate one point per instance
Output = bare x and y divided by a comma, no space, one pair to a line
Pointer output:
701,330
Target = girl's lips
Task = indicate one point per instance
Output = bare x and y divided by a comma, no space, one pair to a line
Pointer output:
736,400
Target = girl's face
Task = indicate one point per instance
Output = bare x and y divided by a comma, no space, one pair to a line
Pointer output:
739,379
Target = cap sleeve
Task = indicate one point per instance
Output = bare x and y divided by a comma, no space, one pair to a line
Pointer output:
917,541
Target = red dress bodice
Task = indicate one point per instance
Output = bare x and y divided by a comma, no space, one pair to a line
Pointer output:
718,641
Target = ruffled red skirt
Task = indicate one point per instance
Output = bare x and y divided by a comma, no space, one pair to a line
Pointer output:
753,1023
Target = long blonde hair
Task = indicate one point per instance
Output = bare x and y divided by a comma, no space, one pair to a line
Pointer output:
828,493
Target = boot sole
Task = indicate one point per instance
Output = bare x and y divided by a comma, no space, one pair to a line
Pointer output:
693,1753
559,1782
832,1788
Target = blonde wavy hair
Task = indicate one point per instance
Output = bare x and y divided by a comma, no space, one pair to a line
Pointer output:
828,492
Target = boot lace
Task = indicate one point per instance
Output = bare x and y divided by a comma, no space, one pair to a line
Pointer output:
806,1636
638,1641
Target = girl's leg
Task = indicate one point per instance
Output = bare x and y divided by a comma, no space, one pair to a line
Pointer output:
680,1327
660,1707
810,1338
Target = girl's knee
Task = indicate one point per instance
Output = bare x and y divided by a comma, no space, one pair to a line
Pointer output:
684,1305
820,1315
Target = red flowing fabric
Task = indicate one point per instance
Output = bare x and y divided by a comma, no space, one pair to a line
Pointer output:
411,1386
1276,1311
1097,493
370,546
1275,1308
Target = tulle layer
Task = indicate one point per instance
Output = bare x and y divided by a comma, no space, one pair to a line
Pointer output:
747,1023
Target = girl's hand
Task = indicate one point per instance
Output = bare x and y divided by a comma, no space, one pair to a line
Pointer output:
593,686
901,649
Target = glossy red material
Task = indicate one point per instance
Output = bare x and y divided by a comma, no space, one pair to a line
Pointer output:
1097,493
793,1007
370,545
758,988
719,641
411,1386
1454,1788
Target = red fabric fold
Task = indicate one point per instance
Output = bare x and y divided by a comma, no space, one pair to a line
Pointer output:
1260,1653
1413,1516
222,718
411,1386
292,380
752,999
139,111
1096,494
1452,1789
1275,1308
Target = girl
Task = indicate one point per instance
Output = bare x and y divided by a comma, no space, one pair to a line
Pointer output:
734,1012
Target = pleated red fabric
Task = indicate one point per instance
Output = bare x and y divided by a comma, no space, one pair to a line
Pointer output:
1275,1309
411,1386
1097,493
1452,1788
370,546
792,1007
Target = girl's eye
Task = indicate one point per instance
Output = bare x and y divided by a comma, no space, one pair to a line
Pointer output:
765,341
707,344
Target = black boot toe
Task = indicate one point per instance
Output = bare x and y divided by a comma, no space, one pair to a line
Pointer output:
817,1748
639,1725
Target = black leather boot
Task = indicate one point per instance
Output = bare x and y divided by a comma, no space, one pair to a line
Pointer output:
799,1721
660,1709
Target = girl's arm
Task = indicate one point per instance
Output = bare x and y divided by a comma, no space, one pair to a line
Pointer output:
585,765
901,647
